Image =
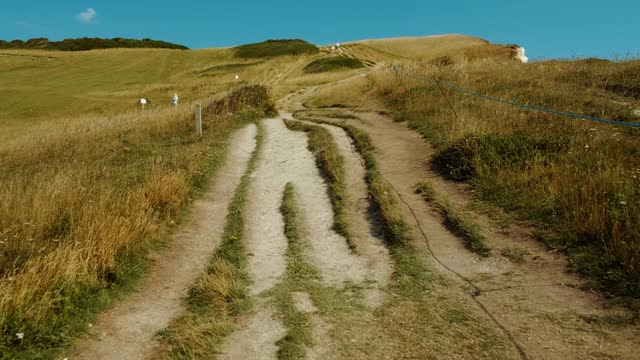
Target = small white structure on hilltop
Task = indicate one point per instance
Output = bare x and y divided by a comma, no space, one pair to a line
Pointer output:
520,55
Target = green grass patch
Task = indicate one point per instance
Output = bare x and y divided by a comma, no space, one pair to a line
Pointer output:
272,48
465,158
221,293
331,165
463,226
515,255
298,270
299,277
333,63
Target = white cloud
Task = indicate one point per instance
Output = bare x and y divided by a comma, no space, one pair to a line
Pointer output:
87,16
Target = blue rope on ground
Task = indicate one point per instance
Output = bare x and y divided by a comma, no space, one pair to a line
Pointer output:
562,113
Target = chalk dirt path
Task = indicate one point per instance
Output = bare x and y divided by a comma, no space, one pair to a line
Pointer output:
285,158
126,331
538,300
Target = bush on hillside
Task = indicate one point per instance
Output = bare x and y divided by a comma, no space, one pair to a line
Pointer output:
272,48
251,96
463,159
81,44
332,64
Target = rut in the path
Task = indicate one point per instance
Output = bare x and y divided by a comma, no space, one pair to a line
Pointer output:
126,331
284,159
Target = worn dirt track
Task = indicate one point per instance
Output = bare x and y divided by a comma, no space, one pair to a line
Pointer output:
538,301
285,158
126,331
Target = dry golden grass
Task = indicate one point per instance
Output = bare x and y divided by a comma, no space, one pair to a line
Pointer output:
431,47
81,202
575,177
350,92
91,182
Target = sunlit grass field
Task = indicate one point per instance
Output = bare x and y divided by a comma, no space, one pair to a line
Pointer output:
90,183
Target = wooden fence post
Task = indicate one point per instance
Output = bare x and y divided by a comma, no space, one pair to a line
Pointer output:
199,119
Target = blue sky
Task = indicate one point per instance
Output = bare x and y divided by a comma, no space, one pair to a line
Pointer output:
547,29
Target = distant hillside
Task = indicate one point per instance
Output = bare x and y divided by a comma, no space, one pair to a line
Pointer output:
436,46
272,48
82,44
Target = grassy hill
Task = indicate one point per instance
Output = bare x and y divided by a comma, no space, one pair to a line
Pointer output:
79,159
574,181
48,86
432,47
82,44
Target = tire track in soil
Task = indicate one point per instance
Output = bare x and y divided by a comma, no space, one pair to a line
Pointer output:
126,331
367,237
285,158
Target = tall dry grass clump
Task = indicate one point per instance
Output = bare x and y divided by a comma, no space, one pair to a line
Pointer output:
577,180
83,199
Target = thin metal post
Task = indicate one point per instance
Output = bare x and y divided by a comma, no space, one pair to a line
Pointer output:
199,119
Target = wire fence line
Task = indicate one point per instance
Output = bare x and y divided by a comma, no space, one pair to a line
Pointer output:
397,69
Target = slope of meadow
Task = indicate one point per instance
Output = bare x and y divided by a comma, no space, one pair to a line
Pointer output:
90,183
576,181
431,47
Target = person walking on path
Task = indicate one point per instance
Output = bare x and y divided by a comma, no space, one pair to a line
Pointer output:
174,100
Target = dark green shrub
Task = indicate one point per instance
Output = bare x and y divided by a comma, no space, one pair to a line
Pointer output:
464,158
272,48
332,64
82,44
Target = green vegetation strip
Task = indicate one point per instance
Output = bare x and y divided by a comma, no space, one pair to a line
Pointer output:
299,275
81,44
397,229
331,165
332,64
221,293
463,226
272,48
